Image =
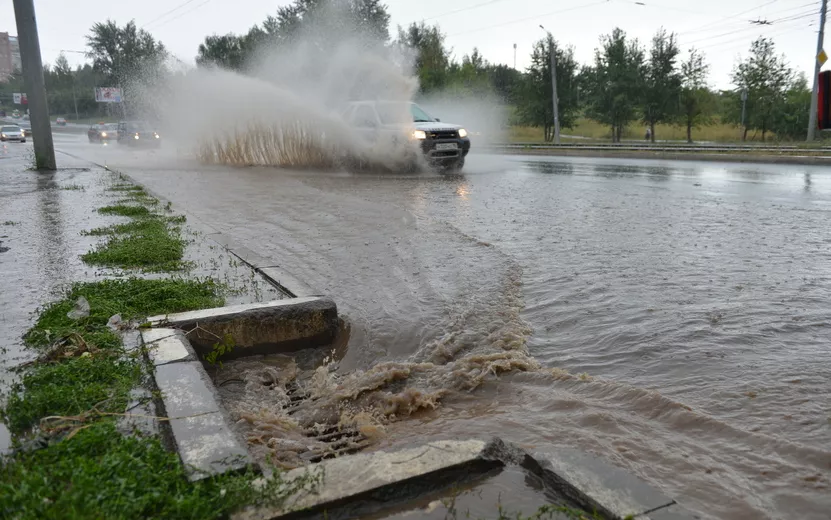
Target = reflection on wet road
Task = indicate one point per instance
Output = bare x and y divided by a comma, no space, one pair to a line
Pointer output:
693,295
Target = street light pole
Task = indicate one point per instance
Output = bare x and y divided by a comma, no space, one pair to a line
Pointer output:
554,99
812,119
27,33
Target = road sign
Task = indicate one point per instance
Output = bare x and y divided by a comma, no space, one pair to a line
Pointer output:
822,57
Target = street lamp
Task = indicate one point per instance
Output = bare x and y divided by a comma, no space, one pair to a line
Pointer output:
554,99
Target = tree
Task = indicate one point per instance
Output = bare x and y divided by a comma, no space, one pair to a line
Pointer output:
696,98
766,78
535,106
432,59
662,82
615,82
122,53
321,22
790,116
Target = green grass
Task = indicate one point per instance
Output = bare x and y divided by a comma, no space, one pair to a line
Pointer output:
151,244
125,210
132,298
70,388
101,474
10,223
592,130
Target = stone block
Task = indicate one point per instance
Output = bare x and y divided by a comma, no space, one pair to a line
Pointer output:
204,440
595,484
353,481
673,512
165,345
275,327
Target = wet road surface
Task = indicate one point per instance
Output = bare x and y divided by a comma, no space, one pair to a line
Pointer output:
692,295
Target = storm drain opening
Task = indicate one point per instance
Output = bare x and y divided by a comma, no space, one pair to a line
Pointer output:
269,363
274,407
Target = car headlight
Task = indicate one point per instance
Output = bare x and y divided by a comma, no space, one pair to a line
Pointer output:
103,134
3,135
136,136
156,135
462,132
419,134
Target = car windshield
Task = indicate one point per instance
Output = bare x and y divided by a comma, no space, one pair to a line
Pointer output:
111,127
10,129
399,113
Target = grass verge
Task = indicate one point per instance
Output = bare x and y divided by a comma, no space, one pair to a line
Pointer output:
101,474
151,242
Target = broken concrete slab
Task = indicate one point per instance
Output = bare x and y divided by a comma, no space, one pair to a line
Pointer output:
286,282
673,512
274,327
356,484
597,485
165,345
206,443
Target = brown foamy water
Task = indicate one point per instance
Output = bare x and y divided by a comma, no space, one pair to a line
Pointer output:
669,317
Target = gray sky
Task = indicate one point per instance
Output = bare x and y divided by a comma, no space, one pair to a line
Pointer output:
720,28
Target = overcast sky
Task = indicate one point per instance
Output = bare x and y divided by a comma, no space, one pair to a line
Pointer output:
722,29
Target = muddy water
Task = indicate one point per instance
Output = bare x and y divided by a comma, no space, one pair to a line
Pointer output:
670,317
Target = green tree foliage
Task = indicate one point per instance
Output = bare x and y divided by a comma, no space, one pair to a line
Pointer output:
790,116
615,83
432,58
320,21
767,78
661,82
697,103
121,53
534,103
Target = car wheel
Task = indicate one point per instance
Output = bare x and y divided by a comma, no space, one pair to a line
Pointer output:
23,140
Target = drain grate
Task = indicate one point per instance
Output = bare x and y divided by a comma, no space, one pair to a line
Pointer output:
335,440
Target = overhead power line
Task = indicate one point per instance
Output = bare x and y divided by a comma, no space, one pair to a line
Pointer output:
194,8
183,4
462,9
535,17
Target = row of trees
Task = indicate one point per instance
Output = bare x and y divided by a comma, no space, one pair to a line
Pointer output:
626,84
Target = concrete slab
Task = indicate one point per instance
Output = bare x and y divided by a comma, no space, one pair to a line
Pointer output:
287,282
595,484
673,512
347,481
275,327
204,440
166,345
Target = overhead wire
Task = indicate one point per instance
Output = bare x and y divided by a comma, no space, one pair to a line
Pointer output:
462,9
194,8
183,4
535,17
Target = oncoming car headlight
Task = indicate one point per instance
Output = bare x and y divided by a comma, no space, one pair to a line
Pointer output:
462,132
136,136
419,134
103,134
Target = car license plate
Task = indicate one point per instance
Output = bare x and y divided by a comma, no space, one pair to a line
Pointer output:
445,146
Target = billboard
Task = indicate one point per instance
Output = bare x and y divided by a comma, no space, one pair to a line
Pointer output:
108,95
19,98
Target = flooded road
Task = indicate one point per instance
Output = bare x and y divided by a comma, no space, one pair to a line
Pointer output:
671,317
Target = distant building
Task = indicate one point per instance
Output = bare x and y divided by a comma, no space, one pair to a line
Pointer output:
9,56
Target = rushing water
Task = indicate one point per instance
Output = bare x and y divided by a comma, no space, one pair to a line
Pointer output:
670,317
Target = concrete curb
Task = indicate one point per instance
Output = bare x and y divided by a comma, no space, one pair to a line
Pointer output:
275,327
197,425
746,157
370,483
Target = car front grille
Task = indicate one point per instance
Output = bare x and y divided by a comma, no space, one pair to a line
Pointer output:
442,134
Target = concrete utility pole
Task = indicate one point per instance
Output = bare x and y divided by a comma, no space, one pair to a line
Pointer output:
554,99
27,34
812,120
